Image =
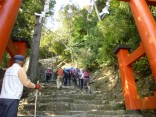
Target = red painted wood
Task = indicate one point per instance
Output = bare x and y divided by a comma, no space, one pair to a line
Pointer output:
149,2
8,13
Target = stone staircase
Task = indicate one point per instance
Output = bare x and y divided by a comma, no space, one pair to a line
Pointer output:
71,102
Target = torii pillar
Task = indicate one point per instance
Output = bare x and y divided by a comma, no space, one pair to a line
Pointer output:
8,13
147,29
17,46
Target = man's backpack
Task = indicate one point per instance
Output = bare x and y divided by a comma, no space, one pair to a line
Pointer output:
67,73
48,72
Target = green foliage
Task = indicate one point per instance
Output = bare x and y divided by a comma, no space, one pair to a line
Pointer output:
91,42
117,28
26,19
142,67
5,61
49,45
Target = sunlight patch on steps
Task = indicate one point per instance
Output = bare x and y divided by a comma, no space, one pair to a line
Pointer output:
94,110
51,114
101,78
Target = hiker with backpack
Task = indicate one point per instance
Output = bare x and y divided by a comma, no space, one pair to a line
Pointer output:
72,72
48,75
77,75
86,79
67,77
59,80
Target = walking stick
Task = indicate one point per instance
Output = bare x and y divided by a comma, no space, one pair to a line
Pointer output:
36,100
26,64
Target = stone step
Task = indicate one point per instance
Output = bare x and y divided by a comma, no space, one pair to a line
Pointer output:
65,113
121,113
84,98
66,106
63,91
66,90
54,88
67,99
114,112
81,115
52,106
58,93
71,96
77,115
94,101
58,99
45,85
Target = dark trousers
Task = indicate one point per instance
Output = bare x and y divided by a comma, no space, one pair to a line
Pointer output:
65,81
8,107
69,80
47,78
86,82
81,84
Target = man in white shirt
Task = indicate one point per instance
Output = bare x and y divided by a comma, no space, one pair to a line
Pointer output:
12,88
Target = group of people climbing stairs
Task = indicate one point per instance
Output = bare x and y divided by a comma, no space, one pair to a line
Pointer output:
68,76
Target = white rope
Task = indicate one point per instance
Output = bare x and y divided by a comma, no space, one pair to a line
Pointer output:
26,64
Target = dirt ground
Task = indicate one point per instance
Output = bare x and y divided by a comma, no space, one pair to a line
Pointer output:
107,80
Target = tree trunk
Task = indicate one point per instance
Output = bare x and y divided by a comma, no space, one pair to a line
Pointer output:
34,50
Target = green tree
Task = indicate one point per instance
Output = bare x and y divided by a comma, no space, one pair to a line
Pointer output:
26,19
117,28
91,42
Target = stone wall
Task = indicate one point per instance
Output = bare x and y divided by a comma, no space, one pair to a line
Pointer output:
49,63
45,64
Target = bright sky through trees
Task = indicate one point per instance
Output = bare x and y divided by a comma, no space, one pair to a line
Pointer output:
51,23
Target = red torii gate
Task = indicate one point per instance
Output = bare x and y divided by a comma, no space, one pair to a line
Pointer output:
8,13
147,29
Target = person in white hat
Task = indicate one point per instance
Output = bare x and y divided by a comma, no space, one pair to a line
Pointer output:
14,79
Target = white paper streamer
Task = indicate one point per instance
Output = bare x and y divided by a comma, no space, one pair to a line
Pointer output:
46,9
105,9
